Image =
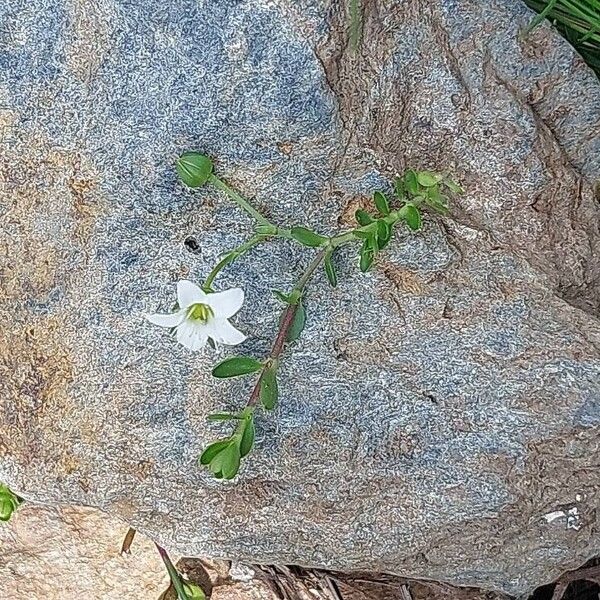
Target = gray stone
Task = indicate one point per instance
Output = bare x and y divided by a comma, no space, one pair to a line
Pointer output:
434,410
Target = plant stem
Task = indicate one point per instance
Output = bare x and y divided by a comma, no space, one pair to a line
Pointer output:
173,573
230,257
241,202
245,205
286,322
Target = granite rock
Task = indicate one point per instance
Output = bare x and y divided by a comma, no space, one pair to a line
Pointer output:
435,411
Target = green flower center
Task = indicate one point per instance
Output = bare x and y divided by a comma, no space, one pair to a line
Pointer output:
200,312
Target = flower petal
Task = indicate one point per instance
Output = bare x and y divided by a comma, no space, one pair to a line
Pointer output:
223,332
170,320
189,293
192,335
226,304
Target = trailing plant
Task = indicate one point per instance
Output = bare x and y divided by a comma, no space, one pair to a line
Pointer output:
202,314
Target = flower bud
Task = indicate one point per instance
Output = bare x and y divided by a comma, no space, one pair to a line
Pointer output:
193,591
194,169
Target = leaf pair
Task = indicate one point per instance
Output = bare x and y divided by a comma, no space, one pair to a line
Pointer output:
223,457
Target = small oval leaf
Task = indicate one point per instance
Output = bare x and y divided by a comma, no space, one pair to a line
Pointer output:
367,254
238,365
381,202
411,183
307,237
330,271
230,464
212,450
298,323
268,389
247,439
384,234
413,217
363,217
399,188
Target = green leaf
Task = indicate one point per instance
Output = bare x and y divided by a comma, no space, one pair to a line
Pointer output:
411,183
399,187
437,201
224,416
212,450
381,202
9,502
268,389
384,233
330,270
230,461
367,254
427,178
194,169
453,186
297,324
362,217
413,217
238,365
247,439
307,237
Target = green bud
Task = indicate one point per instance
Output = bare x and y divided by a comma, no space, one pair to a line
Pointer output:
194,169
6,508
193,591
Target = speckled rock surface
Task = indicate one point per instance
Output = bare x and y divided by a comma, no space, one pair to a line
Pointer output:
435,410
69,553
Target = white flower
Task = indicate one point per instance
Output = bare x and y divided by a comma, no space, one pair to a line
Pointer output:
201,316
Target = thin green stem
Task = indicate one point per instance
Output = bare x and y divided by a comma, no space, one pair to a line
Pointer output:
312,267
286,323
241,202
271,228
173,573
230,257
